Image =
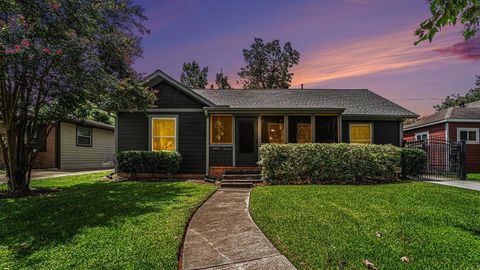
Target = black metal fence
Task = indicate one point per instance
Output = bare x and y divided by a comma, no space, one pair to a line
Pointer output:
445,159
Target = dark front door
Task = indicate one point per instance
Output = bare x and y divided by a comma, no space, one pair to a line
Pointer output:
246,141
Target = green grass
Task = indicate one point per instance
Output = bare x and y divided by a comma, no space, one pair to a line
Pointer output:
473,176
330,227
97,225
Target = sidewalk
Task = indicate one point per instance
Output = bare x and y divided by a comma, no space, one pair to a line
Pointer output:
222,235
474,185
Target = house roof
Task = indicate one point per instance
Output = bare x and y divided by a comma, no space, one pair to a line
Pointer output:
471,112
90,123
353,101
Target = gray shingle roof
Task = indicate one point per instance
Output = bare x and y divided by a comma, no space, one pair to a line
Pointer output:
463,113
354,101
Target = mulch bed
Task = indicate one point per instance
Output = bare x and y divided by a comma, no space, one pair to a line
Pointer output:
7,194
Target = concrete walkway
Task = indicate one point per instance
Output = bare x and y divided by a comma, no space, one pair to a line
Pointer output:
222,235
474,185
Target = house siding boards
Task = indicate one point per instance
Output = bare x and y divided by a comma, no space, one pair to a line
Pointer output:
384,132
132,131
170,97
133,134
99,155
437,131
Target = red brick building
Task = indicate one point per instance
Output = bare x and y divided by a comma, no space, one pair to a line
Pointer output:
452,124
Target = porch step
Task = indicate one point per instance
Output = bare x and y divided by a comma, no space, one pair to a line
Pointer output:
241,177
254,181
242,171
237,184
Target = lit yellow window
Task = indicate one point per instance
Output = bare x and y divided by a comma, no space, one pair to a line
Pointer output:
304,133
276,133
361,133
164,134
221,129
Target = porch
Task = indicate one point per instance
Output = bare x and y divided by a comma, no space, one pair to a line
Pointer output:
234,138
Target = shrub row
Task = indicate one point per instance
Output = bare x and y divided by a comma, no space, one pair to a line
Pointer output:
336,163
413,161
162,162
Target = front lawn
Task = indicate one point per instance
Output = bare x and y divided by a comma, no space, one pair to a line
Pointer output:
328,226
473,176
97,225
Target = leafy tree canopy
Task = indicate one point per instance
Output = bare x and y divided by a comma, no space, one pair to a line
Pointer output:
193,76
457,100
450,12
60,55
222,81
268,65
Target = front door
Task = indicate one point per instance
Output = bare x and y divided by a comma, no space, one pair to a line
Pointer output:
246,141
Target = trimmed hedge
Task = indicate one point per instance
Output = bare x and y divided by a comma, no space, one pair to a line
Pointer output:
413,161
334,163
162,162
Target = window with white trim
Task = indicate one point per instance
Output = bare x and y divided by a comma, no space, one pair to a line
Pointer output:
421,136
164,133
469,135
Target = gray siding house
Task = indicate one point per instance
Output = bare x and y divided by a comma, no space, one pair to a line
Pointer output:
221,129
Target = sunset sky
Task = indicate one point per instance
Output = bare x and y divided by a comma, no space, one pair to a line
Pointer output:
342,44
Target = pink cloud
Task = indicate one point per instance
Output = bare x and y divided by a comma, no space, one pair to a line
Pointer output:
466,50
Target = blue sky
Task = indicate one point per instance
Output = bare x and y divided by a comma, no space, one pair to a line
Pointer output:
342,44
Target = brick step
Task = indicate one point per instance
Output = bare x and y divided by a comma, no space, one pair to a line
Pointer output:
241,177
236,184
255,181
240,171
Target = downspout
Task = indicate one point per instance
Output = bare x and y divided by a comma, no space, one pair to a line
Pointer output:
115,135
207,143
447,132
401,133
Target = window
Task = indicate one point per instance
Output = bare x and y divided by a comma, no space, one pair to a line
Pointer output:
361,133
469,135
299,129
326,130
84,136
273,129
421,136
41,135
164,134
221,129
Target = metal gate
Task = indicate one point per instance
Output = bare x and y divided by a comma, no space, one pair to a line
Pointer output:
445,159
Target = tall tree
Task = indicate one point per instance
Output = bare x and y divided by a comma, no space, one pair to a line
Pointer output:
222,81
450,12
193,76
456,99
268,65
59,55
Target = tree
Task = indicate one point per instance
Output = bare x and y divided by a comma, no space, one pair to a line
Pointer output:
193,76
222,81
268,65
456,99
449,12
59,55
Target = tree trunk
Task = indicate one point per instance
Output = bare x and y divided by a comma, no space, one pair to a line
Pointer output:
17,161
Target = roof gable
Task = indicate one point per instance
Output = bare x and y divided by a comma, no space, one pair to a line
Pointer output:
159,76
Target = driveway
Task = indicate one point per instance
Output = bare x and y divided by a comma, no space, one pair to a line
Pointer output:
474,185
222,235
42,174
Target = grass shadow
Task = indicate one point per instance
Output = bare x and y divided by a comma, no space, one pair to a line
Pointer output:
34,223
